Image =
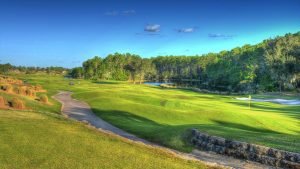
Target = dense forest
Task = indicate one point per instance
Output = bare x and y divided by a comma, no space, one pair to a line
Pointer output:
273,65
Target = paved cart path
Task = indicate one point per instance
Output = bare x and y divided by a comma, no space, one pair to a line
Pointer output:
81,111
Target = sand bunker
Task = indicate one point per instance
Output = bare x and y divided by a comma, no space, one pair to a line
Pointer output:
279,101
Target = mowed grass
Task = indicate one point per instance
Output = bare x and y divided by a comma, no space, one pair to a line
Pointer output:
166,115
37,140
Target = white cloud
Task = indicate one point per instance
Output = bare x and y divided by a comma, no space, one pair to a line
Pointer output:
117,13
217,35
186,30
129,12
112,13
152,28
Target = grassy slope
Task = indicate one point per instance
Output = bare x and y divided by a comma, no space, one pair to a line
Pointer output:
36,140
39,140
163,115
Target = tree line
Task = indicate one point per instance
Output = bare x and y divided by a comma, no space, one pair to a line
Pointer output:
272,65
8,68
116,67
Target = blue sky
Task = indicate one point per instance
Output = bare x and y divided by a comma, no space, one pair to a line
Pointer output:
67,32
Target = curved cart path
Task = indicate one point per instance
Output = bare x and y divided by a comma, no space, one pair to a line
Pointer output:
81,111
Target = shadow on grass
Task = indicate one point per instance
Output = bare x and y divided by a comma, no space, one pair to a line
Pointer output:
245,127
290,110
106,82
176,136
194,94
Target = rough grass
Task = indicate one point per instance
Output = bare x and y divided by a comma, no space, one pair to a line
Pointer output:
36,140
17,103
31,103
164,115
2,102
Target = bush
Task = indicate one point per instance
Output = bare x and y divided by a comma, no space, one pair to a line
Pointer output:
2,101
21,90
8,88
17,103
5,79
44,98
38,88
3,86
30,92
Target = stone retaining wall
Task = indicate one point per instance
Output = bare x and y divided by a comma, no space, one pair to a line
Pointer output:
242,150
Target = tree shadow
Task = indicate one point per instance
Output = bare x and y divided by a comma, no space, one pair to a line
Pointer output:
105,82
244,127
176,136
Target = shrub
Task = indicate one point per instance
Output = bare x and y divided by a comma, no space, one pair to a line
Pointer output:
38,88
5,79
2,86
19,82
2,101
21,90
8,88
44,98
2,80
17,103
30,92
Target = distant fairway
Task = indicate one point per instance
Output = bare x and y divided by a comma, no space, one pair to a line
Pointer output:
164,115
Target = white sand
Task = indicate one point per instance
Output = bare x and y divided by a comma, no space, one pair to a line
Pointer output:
280,101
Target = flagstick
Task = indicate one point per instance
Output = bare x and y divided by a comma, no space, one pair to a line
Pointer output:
249,102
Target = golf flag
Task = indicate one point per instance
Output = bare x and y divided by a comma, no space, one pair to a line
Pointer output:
249,101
